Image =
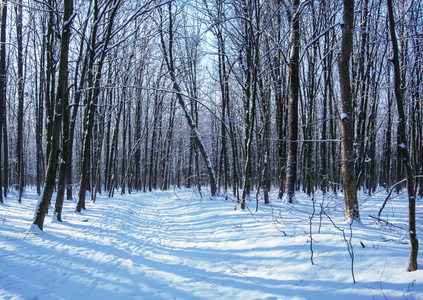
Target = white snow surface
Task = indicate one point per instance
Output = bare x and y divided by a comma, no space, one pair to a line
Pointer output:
344,116
177,245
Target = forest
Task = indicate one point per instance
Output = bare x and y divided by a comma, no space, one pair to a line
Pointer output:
224,96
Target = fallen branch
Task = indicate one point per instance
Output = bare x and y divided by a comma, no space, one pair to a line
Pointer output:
386,222
347,241
389,195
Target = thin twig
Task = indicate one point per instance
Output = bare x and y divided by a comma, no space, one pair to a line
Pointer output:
389,195
348,242
311,227
388,223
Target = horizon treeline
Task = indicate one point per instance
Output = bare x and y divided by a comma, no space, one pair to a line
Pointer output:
235,95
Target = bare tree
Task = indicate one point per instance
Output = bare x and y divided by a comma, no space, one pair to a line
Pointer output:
20,61
347,120
97,57
61,106
168,56
402,143
250,63
291,175
2,77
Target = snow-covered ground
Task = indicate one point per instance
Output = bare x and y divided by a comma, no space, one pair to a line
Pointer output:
177,245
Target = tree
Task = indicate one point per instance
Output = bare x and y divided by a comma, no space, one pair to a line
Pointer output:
347,120
291,175
278,65
168,56
98,52
402,143
39,112
2,76
61,106
68,128
218,22
19,144
250,63
50,79
79,87
265,133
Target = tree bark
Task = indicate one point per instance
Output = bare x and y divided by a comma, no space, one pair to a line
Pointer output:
347,120
61,106
250,64
94,82
291,174
50,78
402,144
20,63
3,78
168,55
69,120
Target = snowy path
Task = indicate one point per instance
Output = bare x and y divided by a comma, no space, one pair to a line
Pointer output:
166,245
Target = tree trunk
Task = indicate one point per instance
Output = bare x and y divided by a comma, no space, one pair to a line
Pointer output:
402,145
94,93
61,106
50,78
291,174
3,80
152,178
88,115
145,159
69,120
265,142
327,65
77,98
223,77
347,120
168,55
113,154
39,113
250,64
137,156
108,172
168,140
19,141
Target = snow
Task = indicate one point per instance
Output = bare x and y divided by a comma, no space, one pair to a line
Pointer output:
285,199
176,245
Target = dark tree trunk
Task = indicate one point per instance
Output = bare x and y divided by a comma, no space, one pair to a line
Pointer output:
280,106
114,153
291,172
152,178
39,113
108,172
69,120
145,159
5,149
137,155
168,55
402,144
61,106
2,80
50,78
265,140
168,141
94,94
347,120
250,64
77,98
20,63
327,68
